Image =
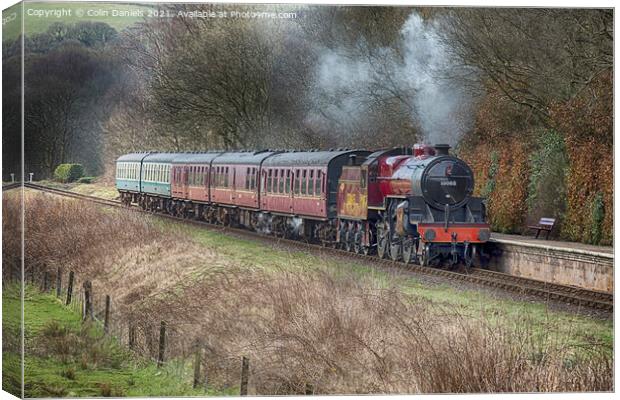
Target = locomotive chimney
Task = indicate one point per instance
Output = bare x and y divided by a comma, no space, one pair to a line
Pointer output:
352,159
442,149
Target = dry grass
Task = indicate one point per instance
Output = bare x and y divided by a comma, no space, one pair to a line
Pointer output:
340,334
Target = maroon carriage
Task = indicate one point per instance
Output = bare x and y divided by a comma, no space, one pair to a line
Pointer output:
304,184
190,176
234,178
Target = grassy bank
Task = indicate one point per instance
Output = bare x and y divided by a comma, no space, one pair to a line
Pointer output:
473,303
66,358
302,319
91,189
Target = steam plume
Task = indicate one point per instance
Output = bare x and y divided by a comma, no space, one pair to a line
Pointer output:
421,72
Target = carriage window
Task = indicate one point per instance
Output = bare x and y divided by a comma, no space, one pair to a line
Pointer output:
296,183
281,183
276,181
311,183
226,177
319,176
304,182
269,181
288,181
247,178
253,179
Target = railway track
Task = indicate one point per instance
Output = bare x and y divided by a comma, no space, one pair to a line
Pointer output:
516,284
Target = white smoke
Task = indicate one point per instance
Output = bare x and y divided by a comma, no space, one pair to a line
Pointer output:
421,72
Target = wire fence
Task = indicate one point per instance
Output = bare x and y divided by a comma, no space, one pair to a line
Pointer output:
146,339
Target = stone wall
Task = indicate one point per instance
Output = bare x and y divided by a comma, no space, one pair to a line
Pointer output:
586,269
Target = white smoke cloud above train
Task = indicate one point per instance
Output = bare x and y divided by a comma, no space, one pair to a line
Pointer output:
422,73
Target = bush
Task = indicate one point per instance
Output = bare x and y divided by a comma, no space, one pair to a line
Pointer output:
547,186
68,172
86,179
597,217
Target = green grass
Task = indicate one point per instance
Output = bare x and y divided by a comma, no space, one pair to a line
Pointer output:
574,329
35,24
91,189
48,374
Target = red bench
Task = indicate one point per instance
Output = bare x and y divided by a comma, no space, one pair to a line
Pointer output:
545,224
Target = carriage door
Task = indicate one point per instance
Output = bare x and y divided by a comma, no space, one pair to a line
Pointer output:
185,181
233,188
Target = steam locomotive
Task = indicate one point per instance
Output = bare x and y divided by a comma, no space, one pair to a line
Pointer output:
411,204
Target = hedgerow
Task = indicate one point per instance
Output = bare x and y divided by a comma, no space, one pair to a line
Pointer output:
563,171
68,172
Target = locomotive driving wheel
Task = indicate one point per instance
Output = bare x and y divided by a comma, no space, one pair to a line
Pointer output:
426,255
349,236
358,246
383,240
410,249
396,248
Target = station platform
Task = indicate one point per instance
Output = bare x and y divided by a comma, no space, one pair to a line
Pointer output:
553,244
567,263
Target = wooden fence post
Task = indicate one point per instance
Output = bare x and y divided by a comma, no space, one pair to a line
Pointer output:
197,361
88,301
132,336
245,370
106,318
70,288
46,281
58,282
162,344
